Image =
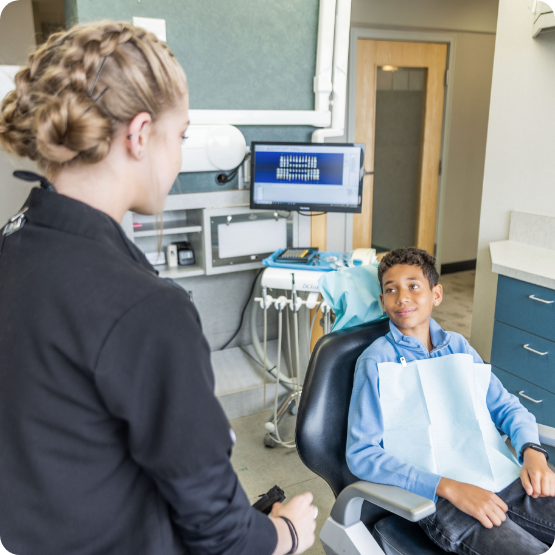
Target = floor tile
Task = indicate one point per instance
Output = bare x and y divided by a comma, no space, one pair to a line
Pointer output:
260,468
455,312
323,499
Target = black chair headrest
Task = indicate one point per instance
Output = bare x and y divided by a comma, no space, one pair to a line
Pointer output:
321,432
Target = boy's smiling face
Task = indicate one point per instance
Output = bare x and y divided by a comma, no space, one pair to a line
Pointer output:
408,299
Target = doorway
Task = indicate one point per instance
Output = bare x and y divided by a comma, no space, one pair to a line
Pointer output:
400,94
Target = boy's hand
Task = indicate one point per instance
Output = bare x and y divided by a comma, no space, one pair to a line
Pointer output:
537,478
483,505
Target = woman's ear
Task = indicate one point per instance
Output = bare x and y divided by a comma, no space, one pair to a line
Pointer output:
138,134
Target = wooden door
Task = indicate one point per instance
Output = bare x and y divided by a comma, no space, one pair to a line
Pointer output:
374,56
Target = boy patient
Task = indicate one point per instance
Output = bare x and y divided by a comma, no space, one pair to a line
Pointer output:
520,519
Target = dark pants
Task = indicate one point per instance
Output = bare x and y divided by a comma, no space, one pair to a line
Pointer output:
528,530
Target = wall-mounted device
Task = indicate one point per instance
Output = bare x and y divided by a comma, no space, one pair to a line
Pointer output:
185,253
307,177
236,237
210,148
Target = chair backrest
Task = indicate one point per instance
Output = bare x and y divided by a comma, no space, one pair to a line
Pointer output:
321,432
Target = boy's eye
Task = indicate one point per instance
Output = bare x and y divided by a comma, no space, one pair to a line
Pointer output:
390,290
184,138
413,286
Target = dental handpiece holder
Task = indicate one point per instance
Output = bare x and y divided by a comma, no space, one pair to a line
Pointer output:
304,292
281,302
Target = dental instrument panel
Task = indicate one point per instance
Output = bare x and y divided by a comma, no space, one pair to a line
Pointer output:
290,276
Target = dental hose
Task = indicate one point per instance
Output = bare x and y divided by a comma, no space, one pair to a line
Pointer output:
264,293
277,438
289,351
297,357
312,327
269,367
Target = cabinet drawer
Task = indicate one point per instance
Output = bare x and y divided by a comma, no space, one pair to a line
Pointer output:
515,307
508,352
543,411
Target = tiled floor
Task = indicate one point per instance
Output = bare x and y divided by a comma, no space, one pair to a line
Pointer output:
260,468
455,312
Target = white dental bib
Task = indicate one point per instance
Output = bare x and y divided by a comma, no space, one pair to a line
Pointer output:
436,418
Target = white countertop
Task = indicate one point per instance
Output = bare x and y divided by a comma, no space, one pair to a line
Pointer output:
524,262
529,254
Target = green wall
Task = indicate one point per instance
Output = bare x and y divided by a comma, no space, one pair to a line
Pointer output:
238,55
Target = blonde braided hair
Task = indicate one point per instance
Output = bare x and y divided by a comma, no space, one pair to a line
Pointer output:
56,118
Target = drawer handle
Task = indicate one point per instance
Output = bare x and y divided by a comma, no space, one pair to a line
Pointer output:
528,348
521,393
540,300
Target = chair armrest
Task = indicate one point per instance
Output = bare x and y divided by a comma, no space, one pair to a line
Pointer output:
547,435
348,505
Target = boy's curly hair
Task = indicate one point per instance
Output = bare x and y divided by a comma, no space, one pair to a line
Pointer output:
411,256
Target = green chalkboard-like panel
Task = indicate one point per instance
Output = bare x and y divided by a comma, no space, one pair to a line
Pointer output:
71,12
238,54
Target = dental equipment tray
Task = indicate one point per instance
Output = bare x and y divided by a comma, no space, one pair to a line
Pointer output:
319,261
296,256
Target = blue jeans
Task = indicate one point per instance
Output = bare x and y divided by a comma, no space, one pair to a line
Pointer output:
528,530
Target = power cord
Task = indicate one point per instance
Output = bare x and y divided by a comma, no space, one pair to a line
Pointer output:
312,214
225,178
244,310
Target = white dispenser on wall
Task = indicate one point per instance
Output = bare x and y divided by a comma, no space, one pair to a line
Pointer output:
212,148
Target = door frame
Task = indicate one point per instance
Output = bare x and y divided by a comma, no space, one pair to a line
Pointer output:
408,36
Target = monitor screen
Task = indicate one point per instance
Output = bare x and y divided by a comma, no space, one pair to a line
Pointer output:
311,177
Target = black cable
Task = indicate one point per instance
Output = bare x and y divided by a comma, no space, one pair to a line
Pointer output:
225,178
256,360
312,214
244,310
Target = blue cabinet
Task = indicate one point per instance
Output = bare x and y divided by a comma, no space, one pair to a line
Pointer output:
525,355
526,306
523,350
538,401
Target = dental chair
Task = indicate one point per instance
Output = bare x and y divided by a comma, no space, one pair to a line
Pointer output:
367,518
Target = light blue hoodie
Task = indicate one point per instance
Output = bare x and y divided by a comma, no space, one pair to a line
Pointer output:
365,454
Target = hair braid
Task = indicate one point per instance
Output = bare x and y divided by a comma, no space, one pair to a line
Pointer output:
56,118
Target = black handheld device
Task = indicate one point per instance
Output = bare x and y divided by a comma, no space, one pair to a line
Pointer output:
267,500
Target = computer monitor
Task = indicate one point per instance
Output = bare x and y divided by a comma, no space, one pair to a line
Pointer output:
307,177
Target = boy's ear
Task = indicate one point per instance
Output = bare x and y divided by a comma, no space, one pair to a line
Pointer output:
437,293
381,300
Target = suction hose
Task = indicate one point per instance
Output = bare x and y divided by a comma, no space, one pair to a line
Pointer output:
270,368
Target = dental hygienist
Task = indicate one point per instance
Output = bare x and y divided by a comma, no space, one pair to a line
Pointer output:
111,439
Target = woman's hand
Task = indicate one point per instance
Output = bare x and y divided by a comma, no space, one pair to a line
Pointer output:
302,514
483,505
537,478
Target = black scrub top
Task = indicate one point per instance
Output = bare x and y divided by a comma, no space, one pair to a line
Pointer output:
111,439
